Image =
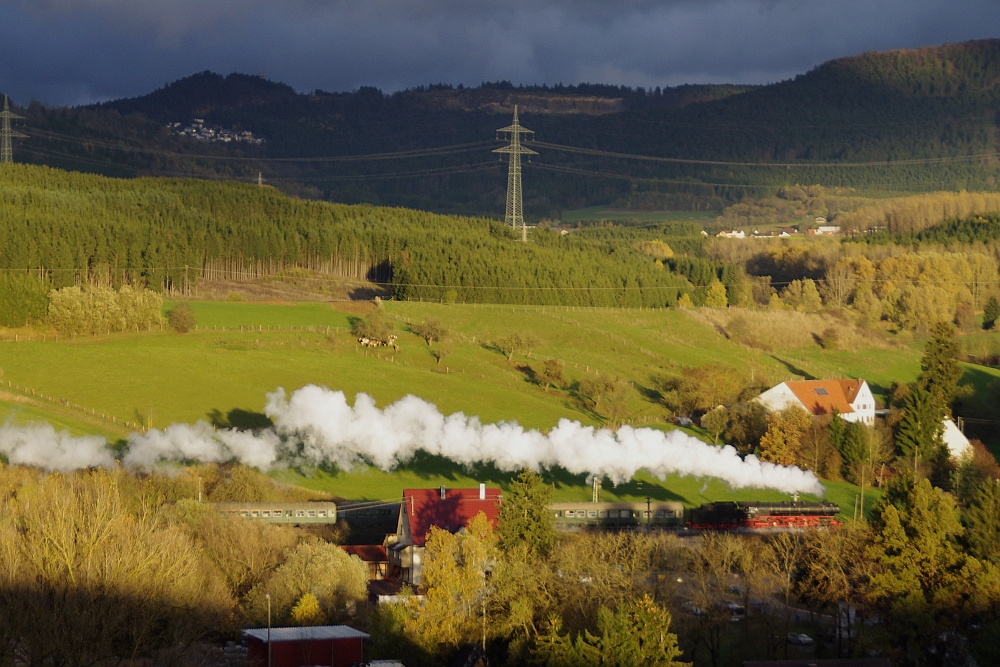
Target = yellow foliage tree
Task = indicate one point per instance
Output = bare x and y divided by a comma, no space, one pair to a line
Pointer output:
783,440
715,296
685,301
455,568
307,611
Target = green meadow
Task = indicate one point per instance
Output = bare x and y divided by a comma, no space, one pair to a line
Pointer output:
241,351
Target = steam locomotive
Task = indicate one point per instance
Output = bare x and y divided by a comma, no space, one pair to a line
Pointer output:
763,515
745,516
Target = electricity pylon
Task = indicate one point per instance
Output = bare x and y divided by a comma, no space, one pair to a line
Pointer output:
6,134
515,213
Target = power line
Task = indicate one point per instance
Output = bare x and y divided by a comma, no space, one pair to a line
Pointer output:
515,207
724,163
6,133
413,153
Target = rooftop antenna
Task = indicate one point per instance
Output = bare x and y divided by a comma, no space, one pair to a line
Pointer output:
515,213
6,134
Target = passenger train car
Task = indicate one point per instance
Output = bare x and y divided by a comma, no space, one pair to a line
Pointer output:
573,517
288,513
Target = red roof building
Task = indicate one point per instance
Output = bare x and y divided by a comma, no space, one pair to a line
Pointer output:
373,555
329,645
851,399
423,509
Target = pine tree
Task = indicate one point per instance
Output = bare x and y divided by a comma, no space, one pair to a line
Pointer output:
524,516
920,431
939,367
991,313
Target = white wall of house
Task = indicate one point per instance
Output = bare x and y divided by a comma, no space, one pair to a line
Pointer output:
958,445
864,406
779,397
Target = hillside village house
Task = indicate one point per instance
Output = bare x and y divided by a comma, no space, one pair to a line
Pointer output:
852,399
422,509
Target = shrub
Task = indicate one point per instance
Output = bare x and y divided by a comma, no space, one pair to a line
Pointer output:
374,327
96,310
181,318
829,339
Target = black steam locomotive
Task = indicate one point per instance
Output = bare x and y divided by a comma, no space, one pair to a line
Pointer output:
764,515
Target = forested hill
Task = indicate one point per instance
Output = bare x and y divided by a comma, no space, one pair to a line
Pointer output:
893,122
70,227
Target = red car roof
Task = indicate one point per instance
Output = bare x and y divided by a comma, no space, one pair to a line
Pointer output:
425,508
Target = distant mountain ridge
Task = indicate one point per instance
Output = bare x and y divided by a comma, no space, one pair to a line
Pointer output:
883,110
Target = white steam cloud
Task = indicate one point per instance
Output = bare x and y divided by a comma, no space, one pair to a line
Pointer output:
41,446
317,425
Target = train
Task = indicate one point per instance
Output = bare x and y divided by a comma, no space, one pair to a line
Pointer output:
576,516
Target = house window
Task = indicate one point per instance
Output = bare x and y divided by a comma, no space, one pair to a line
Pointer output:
821,391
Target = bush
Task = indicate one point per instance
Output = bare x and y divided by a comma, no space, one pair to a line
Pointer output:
181,318
991,312
96,310
374,327
829,339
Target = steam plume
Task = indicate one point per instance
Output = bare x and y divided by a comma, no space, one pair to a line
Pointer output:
317,425
39,445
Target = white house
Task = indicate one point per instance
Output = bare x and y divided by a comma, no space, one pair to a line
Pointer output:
732,234
958,445
852,399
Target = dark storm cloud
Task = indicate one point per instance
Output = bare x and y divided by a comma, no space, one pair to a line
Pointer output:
73,51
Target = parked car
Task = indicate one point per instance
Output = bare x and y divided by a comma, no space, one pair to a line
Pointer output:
799,638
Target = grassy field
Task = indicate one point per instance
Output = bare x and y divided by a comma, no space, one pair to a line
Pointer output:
241,351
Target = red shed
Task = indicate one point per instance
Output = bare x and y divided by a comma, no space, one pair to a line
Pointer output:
327,645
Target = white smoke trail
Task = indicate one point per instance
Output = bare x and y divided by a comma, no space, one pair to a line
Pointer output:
39,445
333,431
317,425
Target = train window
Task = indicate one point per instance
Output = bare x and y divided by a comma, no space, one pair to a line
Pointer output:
556,513
569,513
254,513
645,514
277,513
266,513
300,512
613,514
322,513
243,513
602,514
658,514
385,512
372,512
311,513
592,514
635,515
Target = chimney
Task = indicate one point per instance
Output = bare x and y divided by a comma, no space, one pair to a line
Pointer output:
442,492
482,492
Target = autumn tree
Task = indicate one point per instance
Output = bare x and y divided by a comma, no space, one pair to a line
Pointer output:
181,317
375,327
456,588
430,330
715,295
336,579
783,439
714,421
552,373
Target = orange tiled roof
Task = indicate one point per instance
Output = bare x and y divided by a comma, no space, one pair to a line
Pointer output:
832,395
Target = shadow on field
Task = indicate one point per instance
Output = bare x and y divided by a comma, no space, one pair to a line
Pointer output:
792,368
243,420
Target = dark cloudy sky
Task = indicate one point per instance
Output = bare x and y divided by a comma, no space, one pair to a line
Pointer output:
75,51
